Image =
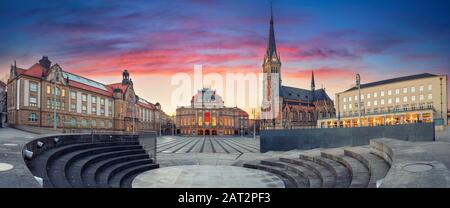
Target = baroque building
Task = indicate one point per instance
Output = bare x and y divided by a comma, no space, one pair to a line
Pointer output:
36,93
207,115
289,107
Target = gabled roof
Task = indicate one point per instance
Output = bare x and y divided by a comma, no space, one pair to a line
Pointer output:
119,85
292,93
398,79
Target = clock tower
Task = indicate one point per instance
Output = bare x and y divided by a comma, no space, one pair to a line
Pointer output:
271,104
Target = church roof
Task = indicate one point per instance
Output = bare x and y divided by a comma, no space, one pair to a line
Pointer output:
293,93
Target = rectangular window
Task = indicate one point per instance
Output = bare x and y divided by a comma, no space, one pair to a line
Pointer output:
102,111
83,97
73,95
49,89
33,101
375,94
405,90
421,88
84,108
390,101
63,92
413,89
33,87
430,87
102,101
362,96
49,103
73,107
397,100
368,96
350,99
405,99
382,93
345,107
94,100
397,91
200,122
356,98
94,110
389,92
368,104
382,101
430,96
420,97
413,98
375,102
349,106
345,100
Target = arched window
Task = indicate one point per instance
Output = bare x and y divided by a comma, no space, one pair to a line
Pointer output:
73,122
102,124
94,123
32,117
110,124
83,123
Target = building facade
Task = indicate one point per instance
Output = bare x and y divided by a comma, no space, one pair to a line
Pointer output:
36,93
207,115
289,107
3,102
410,99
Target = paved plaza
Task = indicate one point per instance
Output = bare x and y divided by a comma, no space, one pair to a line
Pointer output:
207,144
207,176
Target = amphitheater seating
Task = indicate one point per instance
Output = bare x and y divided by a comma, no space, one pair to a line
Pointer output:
346,167
83,164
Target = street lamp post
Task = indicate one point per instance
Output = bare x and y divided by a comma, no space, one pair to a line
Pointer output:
358,85
254,124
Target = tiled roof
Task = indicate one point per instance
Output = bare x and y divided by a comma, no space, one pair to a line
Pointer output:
398,79
146,104
122,87
292,93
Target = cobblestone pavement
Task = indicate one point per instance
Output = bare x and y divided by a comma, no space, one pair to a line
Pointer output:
207,144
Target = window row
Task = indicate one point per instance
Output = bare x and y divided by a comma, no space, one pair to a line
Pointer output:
389,92
389,101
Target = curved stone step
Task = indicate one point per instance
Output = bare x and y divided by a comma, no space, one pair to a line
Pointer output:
78,168
117,181
57,169
327,177
340,172
105,176
312,179
40,165
90,175
360,175
377,166
377,147
290,178
77,160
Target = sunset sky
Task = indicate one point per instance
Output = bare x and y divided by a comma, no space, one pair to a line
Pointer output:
154,40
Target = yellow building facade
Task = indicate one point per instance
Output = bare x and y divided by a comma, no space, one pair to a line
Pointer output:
410,99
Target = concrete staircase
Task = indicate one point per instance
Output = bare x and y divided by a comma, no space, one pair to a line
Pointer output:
346,167
111,164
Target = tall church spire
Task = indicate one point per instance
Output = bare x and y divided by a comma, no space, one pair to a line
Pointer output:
271,45
313,84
